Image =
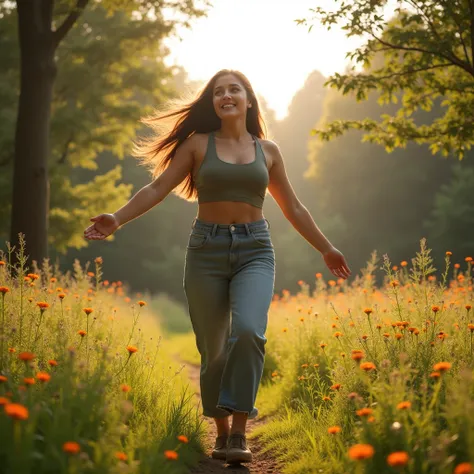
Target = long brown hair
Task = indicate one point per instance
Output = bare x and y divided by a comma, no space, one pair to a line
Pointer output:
173,127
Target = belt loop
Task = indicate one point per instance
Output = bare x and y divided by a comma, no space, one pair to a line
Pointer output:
214,230
247,230
268,223
193,223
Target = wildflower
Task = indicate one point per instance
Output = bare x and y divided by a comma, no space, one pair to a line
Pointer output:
322,345
11,350
16,411
398,336
88,311
315,365
285,329
131,349
2,263
398,459
304,366
468,259
274,374
33,276
386,335
141,303
29,380
302,319
448,253
404,405
468,307
442,366
183,439
435,375
301,377
81,333
42,305
121,456
435,309
394,283
343,354
43,376
326,398
4,401
61,296
364,412
338,334
171,455
98,260
336,386
52,363
365,337
26,356
368,311
4,290
404,263
125,388
463,468
319,275
367,366
334,429
361,451
3,378
352,395
71,447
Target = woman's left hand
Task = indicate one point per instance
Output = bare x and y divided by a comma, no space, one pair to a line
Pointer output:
336,262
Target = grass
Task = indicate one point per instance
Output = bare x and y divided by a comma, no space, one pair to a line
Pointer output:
85,383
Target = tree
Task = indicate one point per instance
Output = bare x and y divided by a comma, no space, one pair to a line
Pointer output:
428,50
42,27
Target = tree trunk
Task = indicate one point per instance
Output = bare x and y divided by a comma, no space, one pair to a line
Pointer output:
30,200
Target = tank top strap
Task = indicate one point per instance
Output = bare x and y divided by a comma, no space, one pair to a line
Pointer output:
211,152
259,151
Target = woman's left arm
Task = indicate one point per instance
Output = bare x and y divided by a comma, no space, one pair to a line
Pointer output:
296,213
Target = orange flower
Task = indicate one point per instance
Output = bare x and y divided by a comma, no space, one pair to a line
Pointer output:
4,401
336,386
334,429
52,363
435,375
404,405
88,311
322,345
367,366
183,439
42,305
442,366
274,374
338,334
2,263
285,329
26,356
398,459
33,276
304,366
29,380
435,309
468,259
16,411
368,311
448,253
43,376
468,307
4,290
319,275
81,333
171,455
3,378
61,296
125,388
71,447
404,263
386,335
361,451
121,456
398,336
326,398
463,468
98,260
364,412
131,349
141,303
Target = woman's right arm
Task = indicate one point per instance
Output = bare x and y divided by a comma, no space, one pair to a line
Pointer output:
148,196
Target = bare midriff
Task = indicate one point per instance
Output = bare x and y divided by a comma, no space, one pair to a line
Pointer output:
226,212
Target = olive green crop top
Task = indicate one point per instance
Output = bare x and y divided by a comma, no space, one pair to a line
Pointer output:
218,180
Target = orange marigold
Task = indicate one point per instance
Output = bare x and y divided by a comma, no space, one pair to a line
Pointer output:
4,401
81,333
463,468
4,289
26,356
16,411
88,311
334,429
398,459
125,388
141,303
52,363
368,311
336,386
404,405
121,456
131,349
3,378
364,412
42,305
367,366
29,380
71,447
361,451
43,376
183,439
442,366
171,455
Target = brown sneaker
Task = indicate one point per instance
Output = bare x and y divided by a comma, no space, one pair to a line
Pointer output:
237,450
220,449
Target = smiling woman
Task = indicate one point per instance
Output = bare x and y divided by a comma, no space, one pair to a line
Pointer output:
214,151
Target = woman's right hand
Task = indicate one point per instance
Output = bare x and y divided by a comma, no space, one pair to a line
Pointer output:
103,226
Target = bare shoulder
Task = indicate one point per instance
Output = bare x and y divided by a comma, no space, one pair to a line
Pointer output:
272,152
197,143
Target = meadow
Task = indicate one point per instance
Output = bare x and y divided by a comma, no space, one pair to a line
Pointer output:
85,386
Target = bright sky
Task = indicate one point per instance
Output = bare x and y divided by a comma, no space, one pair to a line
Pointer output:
261,39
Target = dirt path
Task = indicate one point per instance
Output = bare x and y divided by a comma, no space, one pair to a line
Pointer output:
262,463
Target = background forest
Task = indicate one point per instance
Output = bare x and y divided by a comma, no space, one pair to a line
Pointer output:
363,198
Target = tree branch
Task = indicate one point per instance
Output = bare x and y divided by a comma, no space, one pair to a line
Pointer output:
62,160
471,8
76,12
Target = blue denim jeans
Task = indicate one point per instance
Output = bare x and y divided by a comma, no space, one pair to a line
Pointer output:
229,278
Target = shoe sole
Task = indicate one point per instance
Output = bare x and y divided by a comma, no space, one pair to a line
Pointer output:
237,458
217,455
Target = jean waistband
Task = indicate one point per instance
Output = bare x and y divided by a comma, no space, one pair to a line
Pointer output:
245,228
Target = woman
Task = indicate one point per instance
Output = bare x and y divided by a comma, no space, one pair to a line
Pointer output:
214,151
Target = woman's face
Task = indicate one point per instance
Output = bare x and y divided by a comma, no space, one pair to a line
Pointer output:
229,97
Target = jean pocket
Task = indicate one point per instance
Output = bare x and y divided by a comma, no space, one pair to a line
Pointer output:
197,240
262,237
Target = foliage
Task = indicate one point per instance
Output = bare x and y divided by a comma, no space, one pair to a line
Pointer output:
401,352
427,55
